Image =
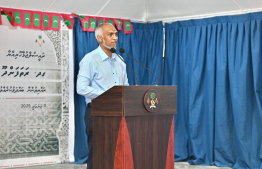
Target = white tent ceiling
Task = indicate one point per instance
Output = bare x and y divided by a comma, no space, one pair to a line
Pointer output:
141,10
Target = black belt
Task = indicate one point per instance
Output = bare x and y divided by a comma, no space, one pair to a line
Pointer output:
89,104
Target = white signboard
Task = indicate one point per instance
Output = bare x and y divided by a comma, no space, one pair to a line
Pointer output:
33,96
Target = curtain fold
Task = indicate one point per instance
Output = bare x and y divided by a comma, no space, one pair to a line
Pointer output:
145,44
216,64
84,42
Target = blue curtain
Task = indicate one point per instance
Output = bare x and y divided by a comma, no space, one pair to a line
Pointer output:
145,44
216,64
84,42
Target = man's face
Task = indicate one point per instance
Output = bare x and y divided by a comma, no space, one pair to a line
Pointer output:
110,36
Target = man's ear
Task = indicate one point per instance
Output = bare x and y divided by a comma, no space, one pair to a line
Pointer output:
100,39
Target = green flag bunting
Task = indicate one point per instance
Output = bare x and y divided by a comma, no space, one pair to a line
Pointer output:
111,21
17,16
27,20
84,21
68,21
0,17
101,21
51,21
9,16
36,19
55,21
127,27
118,23
92,23
46,21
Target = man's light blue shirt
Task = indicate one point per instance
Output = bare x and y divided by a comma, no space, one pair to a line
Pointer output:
98,73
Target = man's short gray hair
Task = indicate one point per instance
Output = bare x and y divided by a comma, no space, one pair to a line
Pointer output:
98,31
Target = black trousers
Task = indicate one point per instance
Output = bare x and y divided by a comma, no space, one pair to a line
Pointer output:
89,133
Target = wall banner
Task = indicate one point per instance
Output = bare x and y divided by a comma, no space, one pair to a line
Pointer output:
34,101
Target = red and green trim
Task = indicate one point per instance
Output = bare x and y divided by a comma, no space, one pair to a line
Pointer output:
9,16
110,20
128,27
51,21
84,21
0,16
18,16
37,19
101,20
46,21
68,21
27,19
55,21
118,23
92,24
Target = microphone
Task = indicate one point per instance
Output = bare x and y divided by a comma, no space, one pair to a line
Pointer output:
113,50
121,50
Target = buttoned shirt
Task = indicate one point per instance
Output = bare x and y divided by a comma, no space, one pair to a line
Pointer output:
98,73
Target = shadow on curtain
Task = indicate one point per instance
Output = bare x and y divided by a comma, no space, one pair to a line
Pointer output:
145,44
216,64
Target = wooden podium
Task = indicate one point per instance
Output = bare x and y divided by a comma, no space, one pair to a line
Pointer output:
133,128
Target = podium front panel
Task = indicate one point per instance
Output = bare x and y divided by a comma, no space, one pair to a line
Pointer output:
134,100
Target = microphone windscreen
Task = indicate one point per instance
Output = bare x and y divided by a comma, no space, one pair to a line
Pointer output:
113,50
121,50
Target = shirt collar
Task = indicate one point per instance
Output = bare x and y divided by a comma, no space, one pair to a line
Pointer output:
104,55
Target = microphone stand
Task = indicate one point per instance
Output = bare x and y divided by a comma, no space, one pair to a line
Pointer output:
123,51
113,50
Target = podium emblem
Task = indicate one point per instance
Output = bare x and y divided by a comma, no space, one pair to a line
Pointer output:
152,100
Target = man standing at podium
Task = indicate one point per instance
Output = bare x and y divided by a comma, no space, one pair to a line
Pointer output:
99,71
